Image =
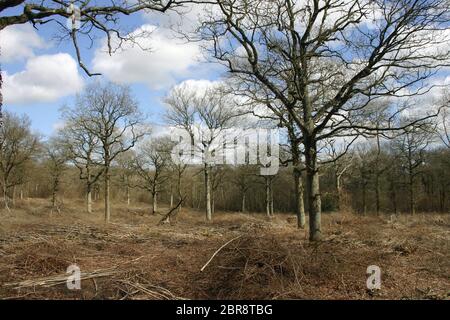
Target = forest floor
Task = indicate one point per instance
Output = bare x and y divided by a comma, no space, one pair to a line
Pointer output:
133,258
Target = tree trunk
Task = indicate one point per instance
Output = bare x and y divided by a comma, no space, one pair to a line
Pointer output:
313,190
107,191
377,192
179,194
5,194
14,196
243,202
54,198
299,203
88,189
55,191
267,195
364,196
208,193
271,196
442,199
339,192
89,199
154,202
128,193
377,177
412,200
393,196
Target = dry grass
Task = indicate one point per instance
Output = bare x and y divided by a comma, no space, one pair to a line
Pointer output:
132,258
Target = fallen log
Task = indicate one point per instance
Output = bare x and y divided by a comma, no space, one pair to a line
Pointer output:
168,215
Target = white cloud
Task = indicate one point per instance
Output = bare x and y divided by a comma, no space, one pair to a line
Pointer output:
59,125
18,42
185,18
167,60
44,79
198,86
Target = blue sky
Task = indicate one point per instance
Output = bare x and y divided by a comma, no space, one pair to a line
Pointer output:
150,74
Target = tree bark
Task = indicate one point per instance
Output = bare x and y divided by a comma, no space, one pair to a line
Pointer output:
55,191
313,190
338,191
88,189
271,196
299,203
243,203
208,193
5,194
128,192
267,196
14,196
179,193
154,202
89,199
377,177
412,200
377,192
393,195
107,191
364,196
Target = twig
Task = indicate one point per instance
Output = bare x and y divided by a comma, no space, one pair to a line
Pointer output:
158,293
217,251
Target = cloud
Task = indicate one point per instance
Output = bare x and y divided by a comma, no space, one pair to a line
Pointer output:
59,125
45,78
18,42
185,18
167,60
198,86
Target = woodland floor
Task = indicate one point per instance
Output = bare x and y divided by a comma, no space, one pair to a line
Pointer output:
132,258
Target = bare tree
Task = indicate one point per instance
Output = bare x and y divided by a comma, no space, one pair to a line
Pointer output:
217,177
125,162
298,167
363,158
269,195
445,133
322,63
204,116
341,161
443,120
56,160
411,147
243,177
110,113
151,164
177,169
83,149
17,145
